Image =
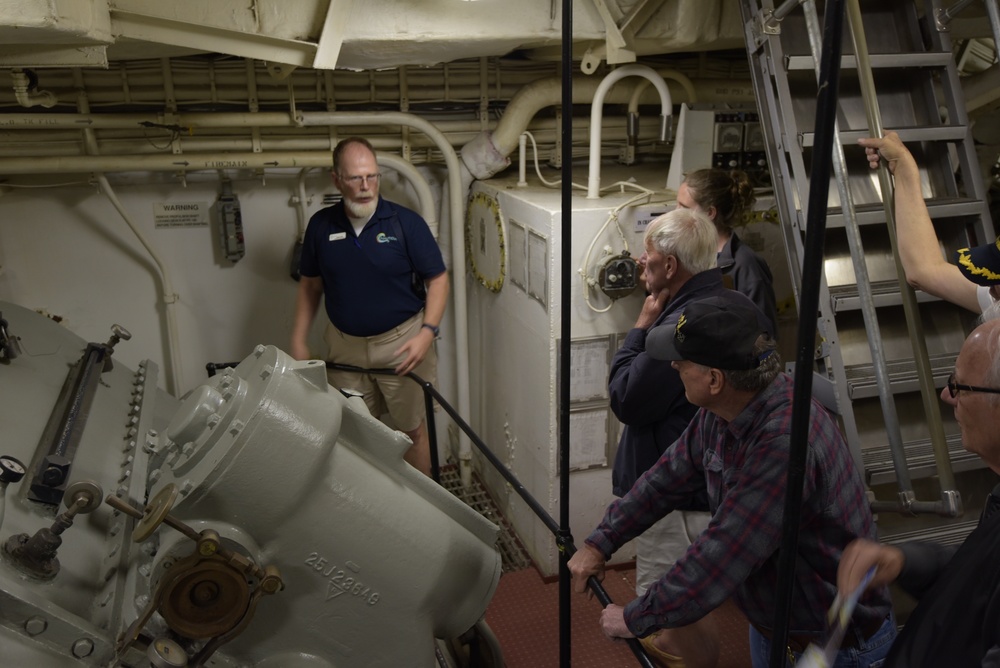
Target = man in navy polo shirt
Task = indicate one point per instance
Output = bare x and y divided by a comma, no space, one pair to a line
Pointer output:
360,256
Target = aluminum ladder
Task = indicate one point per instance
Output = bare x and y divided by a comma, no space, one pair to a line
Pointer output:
883,351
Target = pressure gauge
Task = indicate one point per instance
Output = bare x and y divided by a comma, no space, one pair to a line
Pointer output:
618,276
11,470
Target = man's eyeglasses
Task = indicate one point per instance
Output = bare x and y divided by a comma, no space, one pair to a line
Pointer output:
954,388
356,181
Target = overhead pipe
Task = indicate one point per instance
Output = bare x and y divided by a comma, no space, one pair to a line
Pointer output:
123,142
128,126
188,162
597,111
163,162
148,83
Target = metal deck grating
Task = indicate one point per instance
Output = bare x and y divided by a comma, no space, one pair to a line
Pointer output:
512,554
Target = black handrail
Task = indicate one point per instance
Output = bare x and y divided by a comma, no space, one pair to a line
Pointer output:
563,542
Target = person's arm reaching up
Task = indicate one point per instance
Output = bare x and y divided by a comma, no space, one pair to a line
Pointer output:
919,250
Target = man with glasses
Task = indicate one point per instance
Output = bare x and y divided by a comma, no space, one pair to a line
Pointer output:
957,619
385,287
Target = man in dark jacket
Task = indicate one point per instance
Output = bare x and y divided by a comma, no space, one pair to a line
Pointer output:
679,266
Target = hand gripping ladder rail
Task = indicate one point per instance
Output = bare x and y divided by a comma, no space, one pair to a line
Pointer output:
883,350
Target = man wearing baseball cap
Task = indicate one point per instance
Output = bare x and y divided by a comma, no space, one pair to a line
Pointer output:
679,266
733,461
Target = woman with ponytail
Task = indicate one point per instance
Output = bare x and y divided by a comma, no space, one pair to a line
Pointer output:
723,196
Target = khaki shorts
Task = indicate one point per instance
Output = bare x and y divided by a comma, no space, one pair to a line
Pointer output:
399,396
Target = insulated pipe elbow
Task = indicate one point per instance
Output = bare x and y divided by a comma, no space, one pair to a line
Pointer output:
26,93
425,198
596,113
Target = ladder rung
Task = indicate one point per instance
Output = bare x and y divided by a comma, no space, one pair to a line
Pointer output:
902,376
919,458
954,533
926,133
878,61
874,214
884,293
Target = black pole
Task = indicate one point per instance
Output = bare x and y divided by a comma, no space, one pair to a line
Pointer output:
565,537
812,268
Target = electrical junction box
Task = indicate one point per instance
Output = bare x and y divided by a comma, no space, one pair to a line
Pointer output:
230,224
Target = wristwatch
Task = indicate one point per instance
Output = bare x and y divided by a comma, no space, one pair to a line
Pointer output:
436,330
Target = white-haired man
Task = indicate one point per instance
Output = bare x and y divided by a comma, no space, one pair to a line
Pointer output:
679,266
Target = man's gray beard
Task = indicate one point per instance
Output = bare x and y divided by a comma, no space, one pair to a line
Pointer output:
356,210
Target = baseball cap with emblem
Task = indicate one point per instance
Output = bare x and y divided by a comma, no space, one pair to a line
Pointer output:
981,264
718,332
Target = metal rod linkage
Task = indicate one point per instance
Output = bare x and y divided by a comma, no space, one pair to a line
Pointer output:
944,16
782,10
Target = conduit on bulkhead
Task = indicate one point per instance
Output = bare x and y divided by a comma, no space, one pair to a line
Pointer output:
175,381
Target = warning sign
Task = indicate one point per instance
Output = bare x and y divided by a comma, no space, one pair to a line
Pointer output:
180,214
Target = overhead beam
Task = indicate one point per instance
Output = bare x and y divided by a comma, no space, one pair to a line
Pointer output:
331,40
212,38
63,55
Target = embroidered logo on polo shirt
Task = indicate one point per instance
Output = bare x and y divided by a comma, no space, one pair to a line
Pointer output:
384,238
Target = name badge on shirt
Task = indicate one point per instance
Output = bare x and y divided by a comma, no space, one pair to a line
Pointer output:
337,236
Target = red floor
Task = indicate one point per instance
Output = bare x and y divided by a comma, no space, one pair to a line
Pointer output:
524,615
